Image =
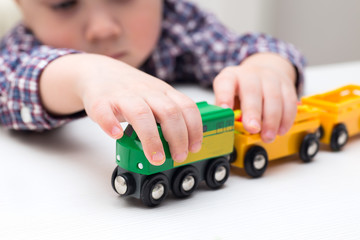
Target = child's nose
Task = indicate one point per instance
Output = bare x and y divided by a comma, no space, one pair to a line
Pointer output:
102,26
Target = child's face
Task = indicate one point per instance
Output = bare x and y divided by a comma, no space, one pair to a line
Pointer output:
124,29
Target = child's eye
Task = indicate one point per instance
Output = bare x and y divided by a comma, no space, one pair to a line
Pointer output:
63,6
122,1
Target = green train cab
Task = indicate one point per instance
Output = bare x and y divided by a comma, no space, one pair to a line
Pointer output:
135,176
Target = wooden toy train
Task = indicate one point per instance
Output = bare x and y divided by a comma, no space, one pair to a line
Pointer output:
331,118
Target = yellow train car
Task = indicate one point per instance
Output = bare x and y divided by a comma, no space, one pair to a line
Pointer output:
339,115
252,154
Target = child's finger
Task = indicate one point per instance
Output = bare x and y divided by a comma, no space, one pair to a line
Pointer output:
273,108
250,92
138,113
192,119
290,107
103,114
173,126
225,87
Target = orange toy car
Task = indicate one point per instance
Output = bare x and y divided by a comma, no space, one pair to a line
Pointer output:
339,115
252,154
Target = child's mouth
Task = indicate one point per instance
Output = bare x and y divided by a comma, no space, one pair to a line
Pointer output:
118,55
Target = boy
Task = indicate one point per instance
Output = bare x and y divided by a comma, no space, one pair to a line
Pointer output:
74,55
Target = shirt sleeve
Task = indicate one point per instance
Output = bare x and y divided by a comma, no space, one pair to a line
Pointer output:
22,61
196,46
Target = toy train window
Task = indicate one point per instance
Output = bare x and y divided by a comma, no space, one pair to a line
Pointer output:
219,127
129,130
204,128
229,125
356,92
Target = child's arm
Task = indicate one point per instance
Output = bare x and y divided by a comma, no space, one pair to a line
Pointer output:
111,91
43,87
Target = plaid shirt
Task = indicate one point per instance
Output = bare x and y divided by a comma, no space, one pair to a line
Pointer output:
193,46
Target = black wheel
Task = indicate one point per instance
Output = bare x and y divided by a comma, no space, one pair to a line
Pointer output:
320,132
217,172
113,176
309,147
154,189
339,137
124,184
233,156
186,180
256,161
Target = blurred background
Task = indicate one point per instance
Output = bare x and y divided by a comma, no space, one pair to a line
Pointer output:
325,31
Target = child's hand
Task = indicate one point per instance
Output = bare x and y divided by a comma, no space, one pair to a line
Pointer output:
265,85
111,92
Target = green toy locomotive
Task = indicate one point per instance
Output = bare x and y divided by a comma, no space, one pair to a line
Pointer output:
135,176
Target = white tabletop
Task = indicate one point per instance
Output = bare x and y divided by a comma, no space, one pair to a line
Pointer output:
56,185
